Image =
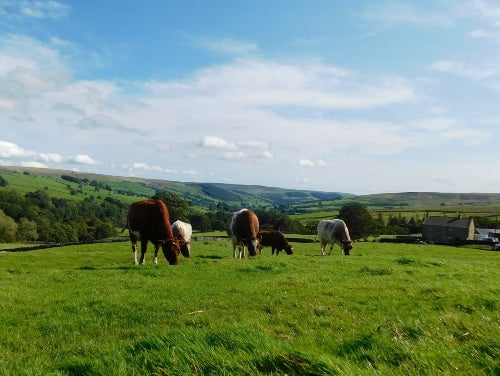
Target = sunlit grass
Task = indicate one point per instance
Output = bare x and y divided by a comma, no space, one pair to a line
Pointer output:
387,309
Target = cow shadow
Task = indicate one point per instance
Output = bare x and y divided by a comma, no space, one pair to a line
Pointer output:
211,257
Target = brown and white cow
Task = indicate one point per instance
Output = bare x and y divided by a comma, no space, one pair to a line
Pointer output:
148,220
183,232
276,240
243,228
332,231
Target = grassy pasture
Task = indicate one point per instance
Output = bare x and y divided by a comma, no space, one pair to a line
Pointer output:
60,188
388,309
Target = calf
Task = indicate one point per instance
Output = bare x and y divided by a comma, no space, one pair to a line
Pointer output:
148,220
183,231
276,240
243,227
331,231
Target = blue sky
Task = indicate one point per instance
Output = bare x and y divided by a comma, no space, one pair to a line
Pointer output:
359,97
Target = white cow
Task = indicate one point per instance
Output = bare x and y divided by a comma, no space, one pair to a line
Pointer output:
332,231
183,232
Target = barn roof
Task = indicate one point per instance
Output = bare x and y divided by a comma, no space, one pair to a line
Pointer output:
457,222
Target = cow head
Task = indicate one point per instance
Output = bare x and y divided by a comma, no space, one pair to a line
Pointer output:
289,250
171,251
253,247
346,247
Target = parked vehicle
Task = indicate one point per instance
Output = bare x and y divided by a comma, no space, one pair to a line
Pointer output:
490,240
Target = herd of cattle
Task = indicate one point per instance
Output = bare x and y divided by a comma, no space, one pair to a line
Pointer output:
149,221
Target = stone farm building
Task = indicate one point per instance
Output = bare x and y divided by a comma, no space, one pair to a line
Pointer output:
447,229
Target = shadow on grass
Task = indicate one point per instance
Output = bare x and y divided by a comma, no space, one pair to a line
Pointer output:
82,369
293,363
212,257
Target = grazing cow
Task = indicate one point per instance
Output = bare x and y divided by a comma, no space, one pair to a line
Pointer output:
148,220
276,240
331,231
183,231
243,227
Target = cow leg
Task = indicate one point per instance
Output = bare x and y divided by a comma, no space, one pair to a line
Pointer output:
155,260
332,243
234,247
323,247
144,248
254,244
241,248
134,249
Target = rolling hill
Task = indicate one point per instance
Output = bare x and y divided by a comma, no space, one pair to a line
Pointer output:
67,184
78,185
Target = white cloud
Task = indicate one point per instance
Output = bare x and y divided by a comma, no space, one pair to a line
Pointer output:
18,154
267,155
83,159
235,155
141,166
253,144
488,11
322,163
11,150
20,9
217,143
145,167
306,163
33,164
190,172
484,34
459,68
51,157
310,163
262,83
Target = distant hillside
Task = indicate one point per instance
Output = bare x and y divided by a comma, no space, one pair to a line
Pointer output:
430,199
63,183
78,185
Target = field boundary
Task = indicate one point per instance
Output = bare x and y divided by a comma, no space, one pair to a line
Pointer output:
56,245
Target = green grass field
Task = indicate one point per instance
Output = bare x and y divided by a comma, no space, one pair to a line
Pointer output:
59,188
386,310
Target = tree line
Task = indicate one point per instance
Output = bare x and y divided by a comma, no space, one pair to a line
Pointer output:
37,216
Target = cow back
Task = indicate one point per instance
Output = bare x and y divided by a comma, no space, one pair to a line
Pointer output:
335,227
244,227
183,232
151,219
274,239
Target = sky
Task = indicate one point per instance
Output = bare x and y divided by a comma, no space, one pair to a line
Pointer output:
358,97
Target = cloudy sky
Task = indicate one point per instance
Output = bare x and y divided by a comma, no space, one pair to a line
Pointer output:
351,96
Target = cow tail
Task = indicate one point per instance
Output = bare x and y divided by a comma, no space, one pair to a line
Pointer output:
125,227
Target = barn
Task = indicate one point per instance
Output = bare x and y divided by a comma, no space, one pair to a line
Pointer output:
447,229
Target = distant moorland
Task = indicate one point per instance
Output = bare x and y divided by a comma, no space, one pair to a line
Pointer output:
68,184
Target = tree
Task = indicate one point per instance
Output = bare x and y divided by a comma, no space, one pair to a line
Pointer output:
200,222
3,182
358,220
8,228
27,230
178,208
